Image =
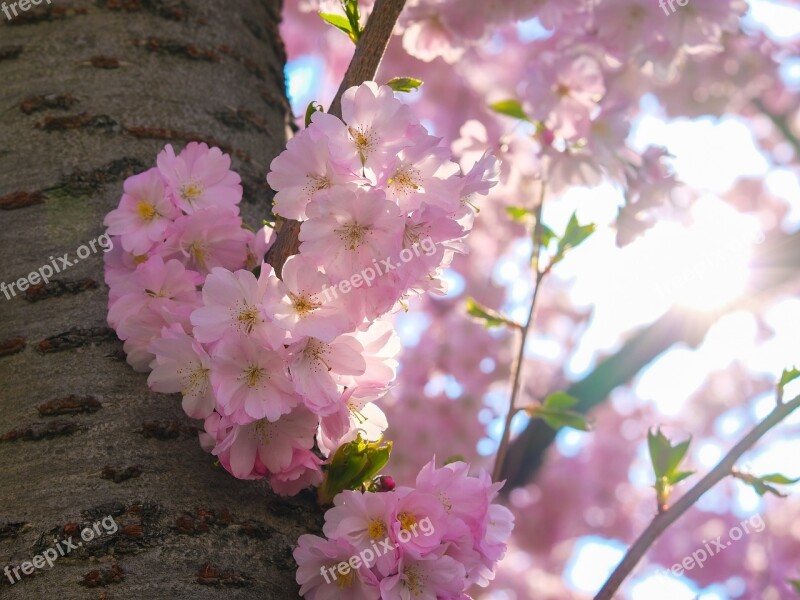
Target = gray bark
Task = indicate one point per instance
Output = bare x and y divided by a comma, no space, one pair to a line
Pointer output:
90,93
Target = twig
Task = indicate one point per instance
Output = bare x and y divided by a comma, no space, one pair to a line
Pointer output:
363,66
660,523
502,449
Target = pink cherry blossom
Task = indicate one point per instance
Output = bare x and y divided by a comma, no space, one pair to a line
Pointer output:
317,575
302,309
427,578
200,177
378,124
263,447
302,170
304,471
208,238
315,365
413,507
348,230
356,414
156,283
144,213
250,381
236,303
182,365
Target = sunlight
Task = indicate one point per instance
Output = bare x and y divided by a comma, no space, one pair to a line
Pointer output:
703,265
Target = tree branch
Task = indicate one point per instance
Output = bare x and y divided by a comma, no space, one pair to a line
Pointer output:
363,66
520,358
660,523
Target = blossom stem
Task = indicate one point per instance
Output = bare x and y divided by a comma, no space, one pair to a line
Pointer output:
505,439
363,66
662,521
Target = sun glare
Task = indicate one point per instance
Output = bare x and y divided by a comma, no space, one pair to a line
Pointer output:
702,265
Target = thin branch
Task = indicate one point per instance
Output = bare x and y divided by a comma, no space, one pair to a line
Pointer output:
662,521
363,66
502,449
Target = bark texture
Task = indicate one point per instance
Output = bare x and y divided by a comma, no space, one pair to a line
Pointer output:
90,92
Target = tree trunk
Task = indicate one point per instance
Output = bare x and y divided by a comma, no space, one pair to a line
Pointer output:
90,93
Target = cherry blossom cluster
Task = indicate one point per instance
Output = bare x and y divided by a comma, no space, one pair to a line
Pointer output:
175,223
433,540
368,187
281,372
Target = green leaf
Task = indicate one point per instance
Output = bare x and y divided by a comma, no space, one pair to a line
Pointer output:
676,455
676,478
351,466
548,235
490,318
778,478
558,419
555,411
518,213
354,17
788,376
573,237
338,21
510,108
660,448
455,458
762,484
559,401
795,583
312,107
666,459
404,84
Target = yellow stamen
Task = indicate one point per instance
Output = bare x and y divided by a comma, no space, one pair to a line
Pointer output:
407,520
190,191
146,211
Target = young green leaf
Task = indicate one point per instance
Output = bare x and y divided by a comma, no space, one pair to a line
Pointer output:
351,466
547,234
354,18
404,84
788,376
762,484
340,22
660,448
666,459
490,318
556,412
519,214
312,107
573,237
510,108
559,401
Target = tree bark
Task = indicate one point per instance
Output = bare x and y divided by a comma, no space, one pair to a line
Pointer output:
90,93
